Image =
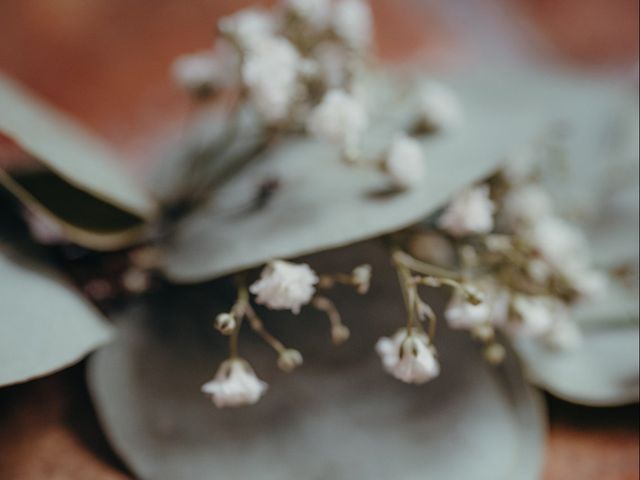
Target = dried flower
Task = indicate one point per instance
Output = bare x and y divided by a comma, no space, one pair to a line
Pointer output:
494,353
225,323
340,333
439,107
469,213
339,119
285,286
409,357
289,360
405,162
235,384
270,71
353,23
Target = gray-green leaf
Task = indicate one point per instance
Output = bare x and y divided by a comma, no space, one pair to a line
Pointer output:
45,325
338,416
323,203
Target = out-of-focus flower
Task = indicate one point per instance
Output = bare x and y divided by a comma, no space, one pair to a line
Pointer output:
285,286
289,360
270,71
248,27
225,323
361,277
439,106
525,205
235,384
563,335
206,71
533,316
315,13
353,23
405,162
462,314
43,229
408,357
339,119
334,63
469,213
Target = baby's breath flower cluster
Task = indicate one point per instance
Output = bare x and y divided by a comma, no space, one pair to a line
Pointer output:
282,285
299,67
514,265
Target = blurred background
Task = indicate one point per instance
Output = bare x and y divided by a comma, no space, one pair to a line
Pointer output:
107,63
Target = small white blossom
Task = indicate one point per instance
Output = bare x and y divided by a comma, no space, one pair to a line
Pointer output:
559,242
405,162
361,277
225,323
462,314
519,165
525,205
43,229
206,70
248,27
533,316
439,106
410,358
289,360
339,119
563,335
235,384
270,71
285,286
469,213
335,63
315,13
353,23
586,281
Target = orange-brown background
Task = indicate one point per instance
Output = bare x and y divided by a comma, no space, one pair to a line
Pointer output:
106,62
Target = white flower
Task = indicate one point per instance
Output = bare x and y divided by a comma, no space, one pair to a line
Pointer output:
519,165
361,277
43,229
492,310
334,63
339,119
462,314
534,316
563,335
235,384
206,70
405,162
270,71
409,358
586,281
248,27
225,323
285,286
316,13
559,242
289,360
525,205
439,106
353,23
470,212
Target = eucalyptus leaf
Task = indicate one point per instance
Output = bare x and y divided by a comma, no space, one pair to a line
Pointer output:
338,416
59,145
45,325
323,203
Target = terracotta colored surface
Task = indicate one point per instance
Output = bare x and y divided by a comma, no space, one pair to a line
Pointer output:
106,62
